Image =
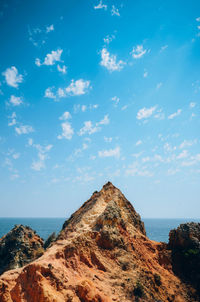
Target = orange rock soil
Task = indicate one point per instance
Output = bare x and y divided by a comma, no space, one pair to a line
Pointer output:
101,255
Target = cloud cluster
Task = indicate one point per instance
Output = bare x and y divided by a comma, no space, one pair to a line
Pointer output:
138,52
110,62
12,77
67,130
51,58
75,88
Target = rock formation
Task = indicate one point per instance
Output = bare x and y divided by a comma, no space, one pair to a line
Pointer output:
102,254
185,245
19,247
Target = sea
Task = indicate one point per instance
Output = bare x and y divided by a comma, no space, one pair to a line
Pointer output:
157,229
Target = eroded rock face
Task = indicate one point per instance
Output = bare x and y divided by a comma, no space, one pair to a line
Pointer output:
102,254
185,245
19,247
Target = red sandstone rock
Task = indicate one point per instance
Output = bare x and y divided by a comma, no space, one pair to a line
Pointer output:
101,255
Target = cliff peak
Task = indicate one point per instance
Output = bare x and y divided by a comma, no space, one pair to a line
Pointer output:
108,207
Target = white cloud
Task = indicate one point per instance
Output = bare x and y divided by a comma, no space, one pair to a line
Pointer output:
138,52
108,39
124,107
145,74
62,69
37,62
13,78
107,139
30,141
15,101
67,131
49,93
115,11
66,115
88,128
110,153
138,143
78,87
104,121
24,129
61,93
110,61
145,112
183,154
198,19
172,171
83,108
159,85
38,165
115,99
13,119
163,48
173,115
136,169
186,144
51,58
101,6
16,155
50,28
192,105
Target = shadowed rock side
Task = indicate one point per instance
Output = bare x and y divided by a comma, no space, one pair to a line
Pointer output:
185,245
101,255
19,247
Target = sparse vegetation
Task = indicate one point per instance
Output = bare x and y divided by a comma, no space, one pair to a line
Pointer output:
157,279
138,290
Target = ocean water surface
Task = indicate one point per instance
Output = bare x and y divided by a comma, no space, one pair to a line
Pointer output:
157,229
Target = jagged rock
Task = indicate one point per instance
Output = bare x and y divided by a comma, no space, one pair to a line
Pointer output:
185,245
102,254
19,247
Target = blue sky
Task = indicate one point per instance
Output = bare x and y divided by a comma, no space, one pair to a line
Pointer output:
92,91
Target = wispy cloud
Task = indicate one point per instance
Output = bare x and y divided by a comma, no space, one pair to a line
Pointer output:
110,153
12,77
50,28
88,128
15,101
115,11
101,5
24,129
12,119
145,112
110,62
175,114
138,52
39,164
62,69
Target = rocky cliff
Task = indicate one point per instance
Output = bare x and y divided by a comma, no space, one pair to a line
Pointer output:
102,254
19,247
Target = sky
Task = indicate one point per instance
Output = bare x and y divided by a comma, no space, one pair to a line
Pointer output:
96,91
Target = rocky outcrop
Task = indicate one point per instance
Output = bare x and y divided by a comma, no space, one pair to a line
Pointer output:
19,247
102,254
185,245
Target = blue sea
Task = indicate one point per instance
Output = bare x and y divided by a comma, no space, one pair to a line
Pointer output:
157,229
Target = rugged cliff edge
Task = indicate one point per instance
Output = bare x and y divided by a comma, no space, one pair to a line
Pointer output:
102,254
19,247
